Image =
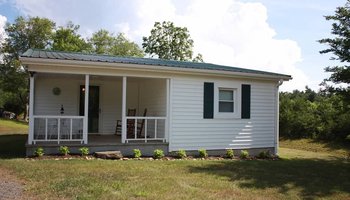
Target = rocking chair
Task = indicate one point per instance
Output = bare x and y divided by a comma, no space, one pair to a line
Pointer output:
141,124
118,129
139,127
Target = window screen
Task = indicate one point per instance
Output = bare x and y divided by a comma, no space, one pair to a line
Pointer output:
226,103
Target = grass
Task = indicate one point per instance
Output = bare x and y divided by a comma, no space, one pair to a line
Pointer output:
292,178
313,173
11,126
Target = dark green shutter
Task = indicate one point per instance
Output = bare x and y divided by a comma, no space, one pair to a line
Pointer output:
245,114
208,104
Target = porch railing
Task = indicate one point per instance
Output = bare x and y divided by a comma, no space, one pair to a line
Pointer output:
145,129
58,128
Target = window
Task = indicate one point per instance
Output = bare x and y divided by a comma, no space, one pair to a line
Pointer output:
226,100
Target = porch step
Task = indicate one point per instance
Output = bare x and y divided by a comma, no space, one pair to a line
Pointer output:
109,154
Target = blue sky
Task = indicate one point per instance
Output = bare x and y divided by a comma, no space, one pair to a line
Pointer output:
303,22
272,35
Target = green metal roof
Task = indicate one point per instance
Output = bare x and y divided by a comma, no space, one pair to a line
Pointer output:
48,54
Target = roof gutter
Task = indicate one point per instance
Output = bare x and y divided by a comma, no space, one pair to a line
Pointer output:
277,117
280,82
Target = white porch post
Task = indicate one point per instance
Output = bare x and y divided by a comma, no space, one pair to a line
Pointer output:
31,108
124,110
167,122
86,109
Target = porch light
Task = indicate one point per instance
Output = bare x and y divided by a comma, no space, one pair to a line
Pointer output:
62,110
83,89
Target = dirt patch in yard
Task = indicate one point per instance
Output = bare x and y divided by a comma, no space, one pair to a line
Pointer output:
11,187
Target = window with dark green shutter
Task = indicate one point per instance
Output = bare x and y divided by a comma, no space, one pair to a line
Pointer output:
245,112
208,101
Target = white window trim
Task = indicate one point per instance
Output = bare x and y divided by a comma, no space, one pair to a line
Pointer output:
236,99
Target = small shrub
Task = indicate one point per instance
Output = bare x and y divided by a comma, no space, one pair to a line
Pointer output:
181,154
158,154
39,152
137,153
64,150
229,153
264,154
244,154
84,151
202,153
348,138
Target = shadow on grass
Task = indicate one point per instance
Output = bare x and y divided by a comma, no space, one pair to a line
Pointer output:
331,145
335,145
12,146
308,177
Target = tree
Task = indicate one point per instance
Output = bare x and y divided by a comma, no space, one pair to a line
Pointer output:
24,33
41,33
309,114
101,41
68,39
339,46
124,47
168,41
34,32
104,42
198,58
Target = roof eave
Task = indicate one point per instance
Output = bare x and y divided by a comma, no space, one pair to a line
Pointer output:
78,63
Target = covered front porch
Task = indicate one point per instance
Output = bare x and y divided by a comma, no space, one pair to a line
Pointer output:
76,109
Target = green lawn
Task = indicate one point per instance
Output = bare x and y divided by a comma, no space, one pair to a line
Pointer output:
299,174
8,127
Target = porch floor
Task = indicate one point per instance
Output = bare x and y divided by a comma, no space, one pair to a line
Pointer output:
104,139
99,139
102,143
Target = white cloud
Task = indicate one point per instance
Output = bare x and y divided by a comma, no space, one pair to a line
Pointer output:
3,35
123,27
226,32
232,33
3,20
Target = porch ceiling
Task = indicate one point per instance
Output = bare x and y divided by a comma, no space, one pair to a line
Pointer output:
92,77
55,75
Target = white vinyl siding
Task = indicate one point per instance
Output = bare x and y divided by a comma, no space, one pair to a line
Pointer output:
46,103
110,104
153,98
190,131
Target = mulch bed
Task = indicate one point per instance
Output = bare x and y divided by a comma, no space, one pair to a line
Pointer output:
166,158
61,157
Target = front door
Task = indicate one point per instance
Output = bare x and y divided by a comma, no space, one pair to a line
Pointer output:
94,107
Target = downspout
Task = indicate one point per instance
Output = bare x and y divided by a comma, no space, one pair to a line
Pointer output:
280,82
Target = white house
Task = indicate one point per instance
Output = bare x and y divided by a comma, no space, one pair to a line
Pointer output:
80,99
